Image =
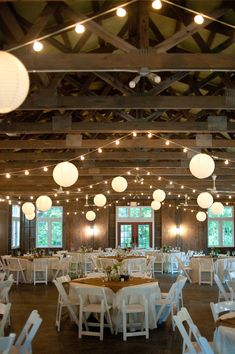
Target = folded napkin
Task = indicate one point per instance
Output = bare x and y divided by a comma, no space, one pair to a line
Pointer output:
227,320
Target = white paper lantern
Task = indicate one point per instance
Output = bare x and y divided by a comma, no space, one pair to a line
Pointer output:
155,205
201,216
205,200
28,208
119,184
201,166
90,215
100,200
30,216
43,203
217,208
65,174
14,82
159,195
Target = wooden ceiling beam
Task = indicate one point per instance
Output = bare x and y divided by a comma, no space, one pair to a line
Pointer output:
132,61
118,127
43,102
124,143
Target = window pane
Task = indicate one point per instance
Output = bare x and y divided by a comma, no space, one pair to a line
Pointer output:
143,236
134,212
123,212
56,231
146,212
126,235
42,234
213,233
16,210
227,233
54,212
228,213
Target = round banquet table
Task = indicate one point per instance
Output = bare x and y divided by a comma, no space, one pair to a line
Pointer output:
194,264
114,294
224,335
27,263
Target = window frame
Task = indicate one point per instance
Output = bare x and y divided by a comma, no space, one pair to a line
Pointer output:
134,220
220,221
50,220
16,221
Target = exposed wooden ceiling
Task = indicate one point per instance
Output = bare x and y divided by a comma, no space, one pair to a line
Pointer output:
80,97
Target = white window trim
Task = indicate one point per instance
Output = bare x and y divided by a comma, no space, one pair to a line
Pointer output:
220,229
137,220
49,221
14,219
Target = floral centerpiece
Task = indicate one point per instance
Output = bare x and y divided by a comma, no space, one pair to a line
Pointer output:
166,249
114,273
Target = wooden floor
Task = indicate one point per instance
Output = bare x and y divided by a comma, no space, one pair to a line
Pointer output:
25,298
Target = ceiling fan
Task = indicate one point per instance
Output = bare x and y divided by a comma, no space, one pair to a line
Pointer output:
185,203
87,205
58,190
214,190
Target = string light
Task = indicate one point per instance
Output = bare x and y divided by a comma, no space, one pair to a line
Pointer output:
150,135
82,157
185,150
157,4
55,195
8,175
134,134
117,142
67,192
26,172
37,46
226,162
79,28
167,142
121,12
100,150
199,19
45,169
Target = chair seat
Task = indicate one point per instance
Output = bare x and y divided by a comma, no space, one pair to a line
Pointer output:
133,308
96,308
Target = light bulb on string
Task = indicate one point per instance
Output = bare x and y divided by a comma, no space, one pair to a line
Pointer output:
82,157
26,172
37,46
157,4
134,134
199,19
79,28
45,169
226,162
121,12
8,175
117,142
100,150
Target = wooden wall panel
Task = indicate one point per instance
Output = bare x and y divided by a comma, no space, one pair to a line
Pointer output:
4,228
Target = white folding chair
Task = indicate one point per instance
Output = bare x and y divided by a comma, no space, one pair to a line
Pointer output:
150,266
220,307
231,288
159,263
223,294
64,301
5,287
206,271
23,344
174,266
5,315
185,269
40,271
61,267
165,306
6,343
205,346
188,333
134,303
95,275
15,266
93,301
2,276
136,265
5,263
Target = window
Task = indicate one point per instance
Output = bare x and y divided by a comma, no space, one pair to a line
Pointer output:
15,230
50,228
134,227
220,228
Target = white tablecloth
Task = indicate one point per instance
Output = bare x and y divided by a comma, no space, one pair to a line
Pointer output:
151,292
28,265
222,265
224,340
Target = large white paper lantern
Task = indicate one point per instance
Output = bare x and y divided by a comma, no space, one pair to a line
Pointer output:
201,216
100,200
159,195
201,166
30,216
205,200
119,184
14,82
28,208
90,215
155,205
217,208
43,203
65,174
